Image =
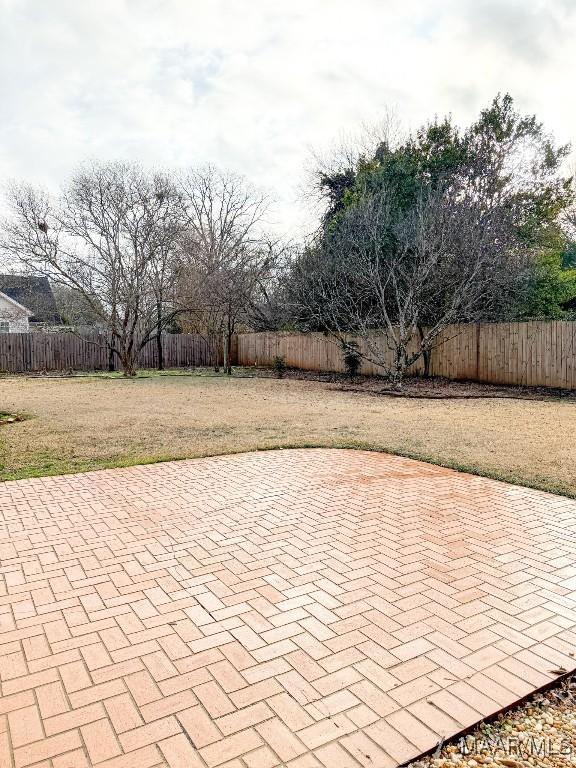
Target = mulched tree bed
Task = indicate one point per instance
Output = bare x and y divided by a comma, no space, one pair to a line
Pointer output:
418,387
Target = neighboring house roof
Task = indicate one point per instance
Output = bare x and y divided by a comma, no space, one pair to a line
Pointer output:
35,294
17,306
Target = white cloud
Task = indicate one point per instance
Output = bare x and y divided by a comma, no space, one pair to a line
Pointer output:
252,84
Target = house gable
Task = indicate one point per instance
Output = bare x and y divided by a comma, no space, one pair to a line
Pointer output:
14,316
35,294
10,307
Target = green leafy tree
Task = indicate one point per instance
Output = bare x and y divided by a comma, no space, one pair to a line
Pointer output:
504,157
504,160
552,291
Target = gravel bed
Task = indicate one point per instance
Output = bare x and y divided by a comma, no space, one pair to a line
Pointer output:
540,732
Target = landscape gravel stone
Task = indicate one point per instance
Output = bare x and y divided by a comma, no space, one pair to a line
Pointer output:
539,732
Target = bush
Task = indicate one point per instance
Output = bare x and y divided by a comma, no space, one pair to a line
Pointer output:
279,365
351,357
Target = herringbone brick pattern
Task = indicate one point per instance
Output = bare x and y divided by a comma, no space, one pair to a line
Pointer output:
294,608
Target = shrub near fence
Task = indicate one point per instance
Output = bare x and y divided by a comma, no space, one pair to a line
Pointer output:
525,354
39,351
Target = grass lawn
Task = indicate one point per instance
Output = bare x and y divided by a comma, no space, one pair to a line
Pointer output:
85,423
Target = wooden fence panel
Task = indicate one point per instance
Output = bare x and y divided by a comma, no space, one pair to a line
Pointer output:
535,353
21,352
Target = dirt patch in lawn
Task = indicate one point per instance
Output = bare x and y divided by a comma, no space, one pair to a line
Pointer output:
9,418
90,422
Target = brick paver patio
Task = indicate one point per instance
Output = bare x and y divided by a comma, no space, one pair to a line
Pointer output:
294,608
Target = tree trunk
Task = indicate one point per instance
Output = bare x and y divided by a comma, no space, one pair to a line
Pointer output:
128,365
396,373
111,366
129,359
395,378
214,342
160,350
228,344
426,354
159,347
225,360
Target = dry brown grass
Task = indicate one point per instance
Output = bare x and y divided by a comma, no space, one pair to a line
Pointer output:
86,423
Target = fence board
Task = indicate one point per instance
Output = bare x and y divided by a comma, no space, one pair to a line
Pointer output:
535,353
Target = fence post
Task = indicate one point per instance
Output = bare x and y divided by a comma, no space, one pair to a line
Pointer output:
27,349
233,351
477,351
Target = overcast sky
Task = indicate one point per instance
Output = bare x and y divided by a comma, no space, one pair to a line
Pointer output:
253,85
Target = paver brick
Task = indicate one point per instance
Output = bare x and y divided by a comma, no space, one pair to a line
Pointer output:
96,693
326,730
147,757
199,726
16,701
75,759
152,733
25,726
179,753
257,692
244,718
123,713
281,739
364,751
292,714
142,687
263,757
100,741
214,699
75,676
74,718
46,748
168,705
230,747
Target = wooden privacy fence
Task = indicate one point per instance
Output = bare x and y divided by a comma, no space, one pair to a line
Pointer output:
20,352
529,354
526,354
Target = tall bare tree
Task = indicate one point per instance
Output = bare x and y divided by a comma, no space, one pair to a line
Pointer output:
110,238
224,256
407,276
